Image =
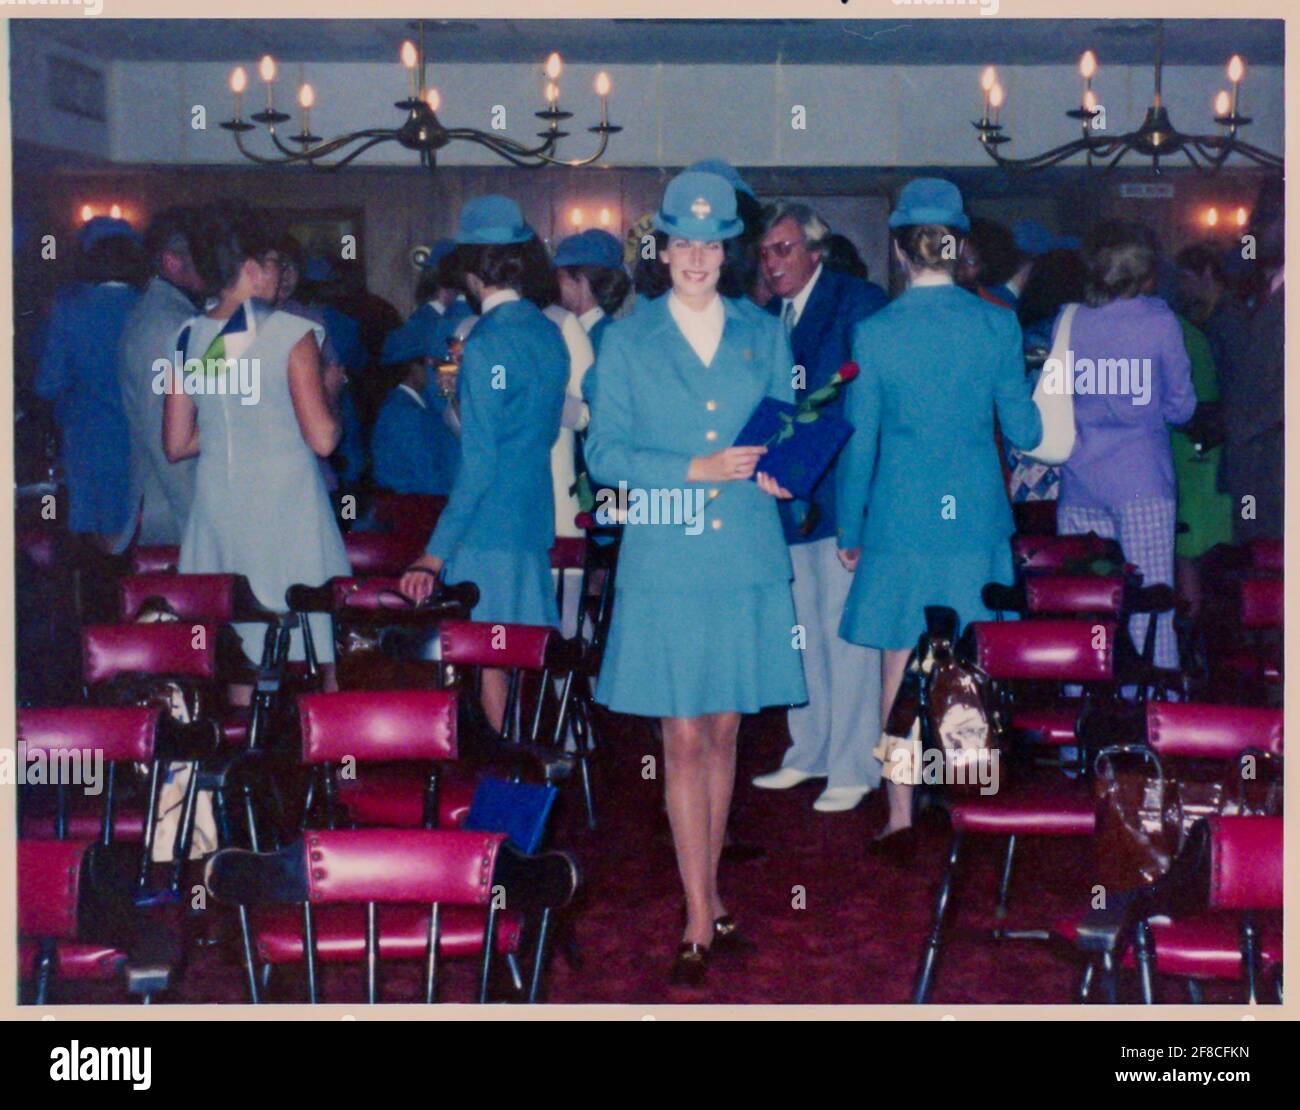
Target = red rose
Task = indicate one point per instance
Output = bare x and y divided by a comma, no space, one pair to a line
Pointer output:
848,372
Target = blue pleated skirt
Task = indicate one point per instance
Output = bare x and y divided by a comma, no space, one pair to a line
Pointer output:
886,605
683,653
515,587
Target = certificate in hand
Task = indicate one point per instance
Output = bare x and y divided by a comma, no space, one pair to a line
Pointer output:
801,442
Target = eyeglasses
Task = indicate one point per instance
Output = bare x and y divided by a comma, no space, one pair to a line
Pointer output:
779,250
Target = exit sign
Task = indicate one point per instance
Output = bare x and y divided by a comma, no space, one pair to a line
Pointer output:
1147,190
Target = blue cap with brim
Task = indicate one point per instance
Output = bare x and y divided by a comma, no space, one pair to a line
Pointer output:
724,170
98,228
419,337
1032,238
438,252
492,221
592,247
700,206
930,200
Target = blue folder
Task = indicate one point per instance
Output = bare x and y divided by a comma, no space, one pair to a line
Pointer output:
518,809
799,461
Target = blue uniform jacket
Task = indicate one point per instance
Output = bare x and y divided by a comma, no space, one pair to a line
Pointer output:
511,390
822,342
657,408
412,449
921,471
78,372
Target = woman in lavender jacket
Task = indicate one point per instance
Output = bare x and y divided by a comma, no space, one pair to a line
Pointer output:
1132,381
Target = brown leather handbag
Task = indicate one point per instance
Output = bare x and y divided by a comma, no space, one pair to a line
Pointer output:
1146,806
948,695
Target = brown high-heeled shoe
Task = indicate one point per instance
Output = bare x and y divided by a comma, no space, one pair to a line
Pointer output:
690,965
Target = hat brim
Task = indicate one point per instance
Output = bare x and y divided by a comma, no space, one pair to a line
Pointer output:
945,217
494,237
705,231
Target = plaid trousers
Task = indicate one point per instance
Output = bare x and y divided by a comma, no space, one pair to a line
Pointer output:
1145,531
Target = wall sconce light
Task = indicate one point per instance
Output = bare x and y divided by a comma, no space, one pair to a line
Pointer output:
576,217
87,213
1211,217
1242,217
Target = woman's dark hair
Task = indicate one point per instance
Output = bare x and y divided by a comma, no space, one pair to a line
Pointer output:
1200,257
996,247
115,258
839,254
652,279
427,285
291,252
608,286
172,229
500,265
1121,258
931,246
1058,278
541,285
228,236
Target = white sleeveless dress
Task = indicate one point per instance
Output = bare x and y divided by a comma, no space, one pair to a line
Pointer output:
260,506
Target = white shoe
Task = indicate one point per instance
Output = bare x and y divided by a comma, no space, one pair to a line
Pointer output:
783,779
837,799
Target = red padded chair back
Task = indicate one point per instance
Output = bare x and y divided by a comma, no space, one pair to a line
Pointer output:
1074,593
1046,650
1261,603
480,644
155,559
1038,554
569,553
382,552
423,866
378,725
207,597
126,733
165,647
49,884
1266,555
413,514
1245,863
1191,730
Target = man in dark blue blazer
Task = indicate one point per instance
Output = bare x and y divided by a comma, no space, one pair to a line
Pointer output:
834,734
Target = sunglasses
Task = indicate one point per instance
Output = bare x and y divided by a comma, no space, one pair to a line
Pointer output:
779,250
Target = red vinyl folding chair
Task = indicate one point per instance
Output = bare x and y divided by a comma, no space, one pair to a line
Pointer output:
401,894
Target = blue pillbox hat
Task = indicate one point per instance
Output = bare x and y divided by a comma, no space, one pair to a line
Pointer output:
725,170
592,247
699,205
99,228
930,200
492,220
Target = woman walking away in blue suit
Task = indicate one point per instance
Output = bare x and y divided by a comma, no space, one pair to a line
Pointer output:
499,524
922,509
703,614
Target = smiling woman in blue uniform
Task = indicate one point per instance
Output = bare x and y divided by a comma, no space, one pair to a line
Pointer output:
499,523
703,618
921,507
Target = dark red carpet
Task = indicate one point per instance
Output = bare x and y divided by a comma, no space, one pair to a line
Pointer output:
831,926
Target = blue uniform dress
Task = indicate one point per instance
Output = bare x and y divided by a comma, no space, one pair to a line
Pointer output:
412,449
499,523
703,616
260,506
920,489
78,372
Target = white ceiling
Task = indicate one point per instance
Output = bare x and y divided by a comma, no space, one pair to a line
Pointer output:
807,42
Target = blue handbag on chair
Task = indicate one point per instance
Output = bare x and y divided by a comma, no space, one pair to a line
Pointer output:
518,809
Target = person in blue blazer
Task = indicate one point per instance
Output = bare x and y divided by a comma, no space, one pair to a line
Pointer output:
820,308
499,523
703,621
412,447
441,307
78,372
922,511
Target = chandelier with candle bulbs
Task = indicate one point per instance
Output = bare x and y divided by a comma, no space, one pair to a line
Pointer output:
1156,139
421,130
